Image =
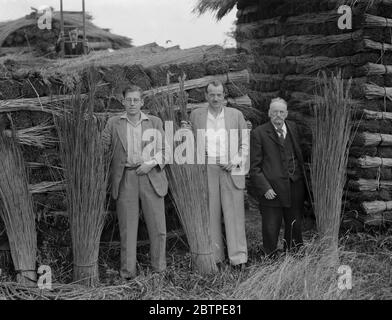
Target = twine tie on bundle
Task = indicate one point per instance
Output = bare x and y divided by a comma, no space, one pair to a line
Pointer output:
86,265
202,254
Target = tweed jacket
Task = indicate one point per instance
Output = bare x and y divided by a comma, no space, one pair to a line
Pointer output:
234,119
115,138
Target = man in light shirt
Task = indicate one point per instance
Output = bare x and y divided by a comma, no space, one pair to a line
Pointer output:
137,177
277,173
225,184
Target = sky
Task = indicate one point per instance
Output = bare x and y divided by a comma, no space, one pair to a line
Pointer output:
166,22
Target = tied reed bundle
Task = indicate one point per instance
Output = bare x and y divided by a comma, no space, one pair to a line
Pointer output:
39,136
188,187
86,175
331,139
16,210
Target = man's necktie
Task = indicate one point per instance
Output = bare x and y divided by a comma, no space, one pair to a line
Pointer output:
281,135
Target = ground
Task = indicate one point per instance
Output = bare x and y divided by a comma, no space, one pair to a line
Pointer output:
311,274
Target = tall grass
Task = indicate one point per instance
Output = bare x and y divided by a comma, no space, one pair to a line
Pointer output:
188,187
86,174
16,210
331,136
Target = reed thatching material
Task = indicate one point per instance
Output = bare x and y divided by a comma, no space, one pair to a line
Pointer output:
188,187
373,139
222,7
373,162
375,115
369,185
377,206
86,172
25,32
331,134
16,210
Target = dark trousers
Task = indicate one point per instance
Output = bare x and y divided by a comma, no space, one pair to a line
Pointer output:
272,221
292,216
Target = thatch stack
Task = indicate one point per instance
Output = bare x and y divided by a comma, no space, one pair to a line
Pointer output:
147,66
24,34
291,41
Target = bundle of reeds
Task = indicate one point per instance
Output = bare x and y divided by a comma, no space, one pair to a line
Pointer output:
85,166
188,187
372,139
373,162
39,136
331,136
16,210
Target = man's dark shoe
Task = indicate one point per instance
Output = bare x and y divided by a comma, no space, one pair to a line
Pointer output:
239,267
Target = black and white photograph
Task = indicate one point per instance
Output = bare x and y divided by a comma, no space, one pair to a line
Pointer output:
209,152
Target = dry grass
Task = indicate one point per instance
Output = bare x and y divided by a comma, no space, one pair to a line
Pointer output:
306,276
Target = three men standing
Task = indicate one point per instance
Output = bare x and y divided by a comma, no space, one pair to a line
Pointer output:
278,176
225,183
137,177
276,172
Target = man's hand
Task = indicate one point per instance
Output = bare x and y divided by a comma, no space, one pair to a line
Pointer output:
270,194
228,167
144,168
186,125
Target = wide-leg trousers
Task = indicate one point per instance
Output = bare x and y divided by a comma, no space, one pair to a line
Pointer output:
225,198
135,190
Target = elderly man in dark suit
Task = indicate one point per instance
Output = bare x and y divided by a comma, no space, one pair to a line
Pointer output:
277,174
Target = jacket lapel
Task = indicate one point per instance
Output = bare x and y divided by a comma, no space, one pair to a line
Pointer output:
295,142
203,119
272,133
121,128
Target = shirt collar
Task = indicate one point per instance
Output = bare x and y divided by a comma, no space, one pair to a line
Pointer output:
221,115
284,128
143,116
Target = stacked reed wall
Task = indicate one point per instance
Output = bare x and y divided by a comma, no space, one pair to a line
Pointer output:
291,41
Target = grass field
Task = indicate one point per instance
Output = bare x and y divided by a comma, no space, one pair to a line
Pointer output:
310,274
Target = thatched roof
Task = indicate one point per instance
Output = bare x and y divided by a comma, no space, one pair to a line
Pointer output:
92,31
220,7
